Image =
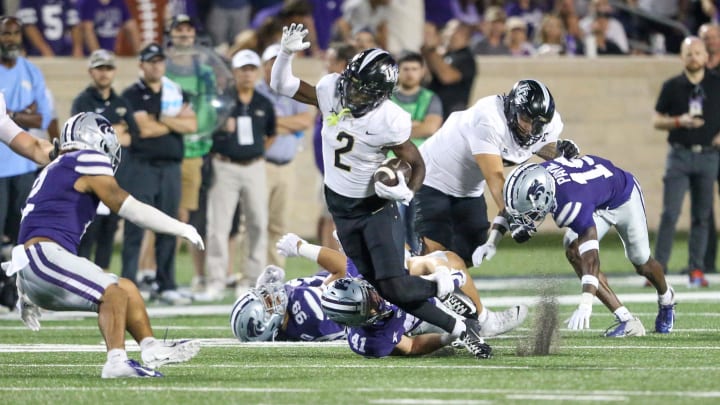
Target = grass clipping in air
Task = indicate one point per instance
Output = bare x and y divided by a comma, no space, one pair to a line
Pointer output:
544,336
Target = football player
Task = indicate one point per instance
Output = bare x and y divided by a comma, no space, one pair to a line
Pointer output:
361,125
340,266
21,142
468,153
61,204
589,195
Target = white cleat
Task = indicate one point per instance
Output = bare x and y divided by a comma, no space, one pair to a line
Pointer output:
127,369
498,323
170,353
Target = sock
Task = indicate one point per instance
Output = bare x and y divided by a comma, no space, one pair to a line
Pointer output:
458,329
116,355
668,298
147,343
483,315
622,314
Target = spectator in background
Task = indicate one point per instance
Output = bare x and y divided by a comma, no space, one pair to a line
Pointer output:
163,114
516,38
406,31
554,40
492,42
292,119
614,30
363,39
425,109
198,80
103,20
27,105
710,34
51,27
603,44
53,130
451,64
336,59
324,14
239,174
528,11
372,14
99,97
226,19
686,107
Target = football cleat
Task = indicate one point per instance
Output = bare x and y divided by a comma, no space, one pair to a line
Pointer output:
461,305
498,323
127,369
665,319
632,327
473,341
170,353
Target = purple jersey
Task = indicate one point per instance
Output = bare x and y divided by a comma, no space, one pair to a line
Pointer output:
380,338
585,185
54,19
54,209
108,17
306,319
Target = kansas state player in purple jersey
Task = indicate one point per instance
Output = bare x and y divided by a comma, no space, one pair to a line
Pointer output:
588,195
61,204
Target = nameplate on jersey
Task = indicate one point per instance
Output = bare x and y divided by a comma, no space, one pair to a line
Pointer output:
244,131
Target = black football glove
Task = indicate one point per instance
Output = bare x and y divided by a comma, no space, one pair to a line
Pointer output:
56,149
522,233
567,148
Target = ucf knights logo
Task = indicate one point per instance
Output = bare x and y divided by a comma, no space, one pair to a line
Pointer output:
521,93
391,73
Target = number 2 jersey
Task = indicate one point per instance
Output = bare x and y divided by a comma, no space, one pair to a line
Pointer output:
353,148
54,209
585,185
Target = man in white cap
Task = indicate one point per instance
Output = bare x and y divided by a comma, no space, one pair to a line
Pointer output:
293,119
239,175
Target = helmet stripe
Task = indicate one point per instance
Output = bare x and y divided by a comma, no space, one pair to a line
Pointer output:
546,96
371,56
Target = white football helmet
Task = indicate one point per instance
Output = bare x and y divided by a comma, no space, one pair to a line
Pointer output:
353,302
91,131
529,194
258,314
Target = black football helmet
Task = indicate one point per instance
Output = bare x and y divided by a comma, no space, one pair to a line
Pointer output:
530,101
367,81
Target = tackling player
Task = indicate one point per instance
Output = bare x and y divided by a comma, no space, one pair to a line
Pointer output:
468,152
61,204
360,126
588,195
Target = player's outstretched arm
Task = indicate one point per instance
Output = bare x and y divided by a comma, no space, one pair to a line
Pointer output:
420,344
282,79
588,250
35,149
291,245
125,205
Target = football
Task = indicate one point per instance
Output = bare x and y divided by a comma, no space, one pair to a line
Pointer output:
387,172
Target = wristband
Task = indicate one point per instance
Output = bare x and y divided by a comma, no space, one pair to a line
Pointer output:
677,122
590,279
501,222
588,245
309,251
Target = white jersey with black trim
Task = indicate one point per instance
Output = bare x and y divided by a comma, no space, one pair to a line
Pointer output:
450,164
353,148
8,128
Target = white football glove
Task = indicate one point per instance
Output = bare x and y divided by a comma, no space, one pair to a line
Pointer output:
192,235
580,319
486,251
292,39
29,312
288,245
399,192
271,275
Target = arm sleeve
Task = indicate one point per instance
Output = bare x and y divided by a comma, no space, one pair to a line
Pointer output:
149,217
282,79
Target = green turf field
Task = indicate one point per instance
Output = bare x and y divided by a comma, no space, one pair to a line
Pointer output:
62,363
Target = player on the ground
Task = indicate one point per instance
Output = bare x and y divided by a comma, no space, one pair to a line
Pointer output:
589,195
361,125
61,204
21,142
383,336
468,153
